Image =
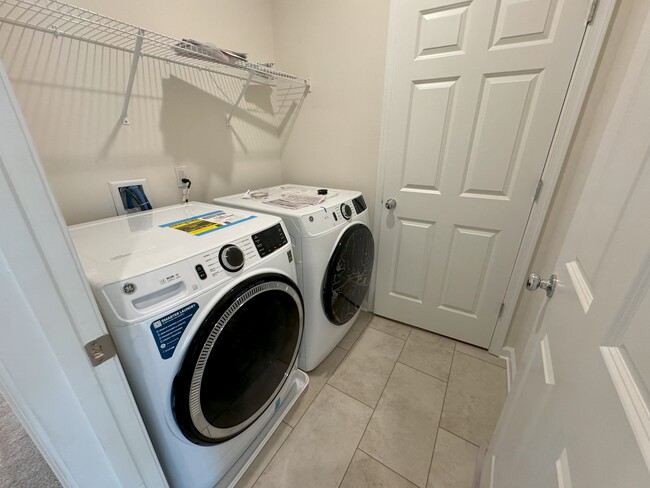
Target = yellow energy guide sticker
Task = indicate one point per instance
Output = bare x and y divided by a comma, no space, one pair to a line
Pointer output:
206,223
196,226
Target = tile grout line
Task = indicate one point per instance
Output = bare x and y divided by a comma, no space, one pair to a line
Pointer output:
321,388
357,447
480,359
461,438
387,467
373,413
393,335
449,430
356,340
425,372
391,371
308,407
272,457
355,399
444,399
360,334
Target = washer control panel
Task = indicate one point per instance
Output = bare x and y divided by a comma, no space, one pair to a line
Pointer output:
132,298
231,258
346,211
269,240
220,262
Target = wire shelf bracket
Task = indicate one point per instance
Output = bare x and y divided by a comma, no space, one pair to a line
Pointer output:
71,22
134,69
241,95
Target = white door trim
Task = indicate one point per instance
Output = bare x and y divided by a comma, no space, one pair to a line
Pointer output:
83,419
578,87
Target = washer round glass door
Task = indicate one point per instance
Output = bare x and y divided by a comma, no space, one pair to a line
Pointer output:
348,273
239,359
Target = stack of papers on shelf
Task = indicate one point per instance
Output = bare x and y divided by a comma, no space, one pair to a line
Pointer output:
209,52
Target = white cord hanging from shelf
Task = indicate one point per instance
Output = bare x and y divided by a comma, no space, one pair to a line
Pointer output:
76,23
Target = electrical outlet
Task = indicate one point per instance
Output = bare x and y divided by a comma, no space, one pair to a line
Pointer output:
181,173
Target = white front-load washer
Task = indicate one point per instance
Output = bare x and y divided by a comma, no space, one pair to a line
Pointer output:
203,307
334,252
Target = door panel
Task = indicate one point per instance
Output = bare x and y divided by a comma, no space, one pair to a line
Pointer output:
520,21
414,247
498,135
593,338
635,340
469,259
441,30
430,109
476,92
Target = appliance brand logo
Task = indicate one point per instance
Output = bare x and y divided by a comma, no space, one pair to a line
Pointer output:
129,288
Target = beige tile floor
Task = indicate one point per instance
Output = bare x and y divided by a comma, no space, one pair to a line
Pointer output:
392,406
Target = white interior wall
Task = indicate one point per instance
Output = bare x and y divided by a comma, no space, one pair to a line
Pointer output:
341,45
614,60
71,94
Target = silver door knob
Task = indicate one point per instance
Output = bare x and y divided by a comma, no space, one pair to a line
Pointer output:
534,282
390,204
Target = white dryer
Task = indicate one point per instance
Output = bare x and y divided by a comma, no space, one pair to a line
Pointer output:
334,252
207,318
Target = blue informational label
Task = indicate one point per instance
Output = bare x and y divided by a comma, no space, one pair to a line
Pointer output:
167,330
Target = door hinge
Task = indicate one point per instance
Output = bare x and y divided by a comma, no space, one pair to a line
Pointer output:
503,305
538,190
100,350
592,11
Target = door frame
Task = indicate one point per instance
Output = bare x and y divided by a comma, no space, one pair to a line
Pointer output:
628,395
45,373
595,33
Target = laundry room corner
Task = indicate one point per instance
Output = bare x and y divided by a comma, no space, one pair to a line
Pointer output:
340,244
72,93
342,48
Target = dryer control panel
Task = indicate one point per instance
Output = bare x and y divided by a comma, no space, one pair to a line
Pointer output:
326,218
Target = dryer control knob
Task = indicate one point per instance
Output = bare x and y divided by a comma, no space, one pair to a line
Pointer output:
231,258
346,211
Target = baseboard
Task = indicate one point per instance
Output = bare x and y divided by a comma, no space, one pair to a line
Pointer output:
480,456
508,354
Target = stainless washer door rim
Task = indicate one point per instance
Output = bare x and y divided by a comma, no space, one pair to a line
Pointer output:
196,412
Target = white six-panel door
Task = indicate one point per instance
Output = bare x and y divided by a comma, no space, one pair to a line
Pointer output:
477,88
578,415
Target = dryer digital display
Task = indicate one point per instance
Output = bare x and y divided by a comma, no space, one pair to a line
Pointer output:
359,204
269,240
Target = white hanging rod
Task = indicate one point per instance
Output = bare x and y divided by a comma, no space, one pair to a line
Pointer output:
73,22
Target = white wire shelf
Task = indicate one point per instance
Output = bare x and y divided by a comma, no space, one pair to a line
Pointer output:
61,19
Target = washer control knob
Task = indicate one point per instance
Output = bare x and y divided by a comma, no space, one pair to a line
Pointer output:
231,258
346,211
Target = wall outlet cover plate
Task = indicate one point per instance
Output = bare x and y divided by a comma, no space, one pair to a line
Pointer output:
115,186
